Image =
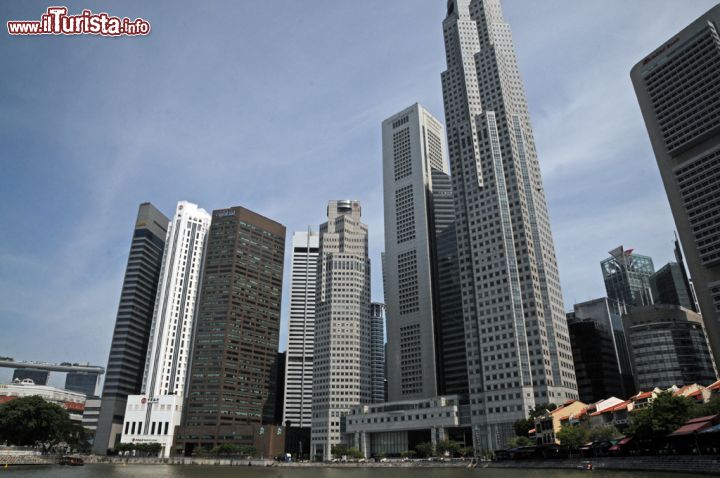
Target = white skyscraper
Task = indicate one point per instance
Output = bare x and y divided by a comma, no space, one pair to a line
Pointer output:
518,347
412,148
153,415
341,376
299,365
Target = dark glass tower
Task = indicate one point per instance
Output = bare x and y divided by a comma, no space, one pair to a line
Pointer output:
235,348
627,277
451,358
132,326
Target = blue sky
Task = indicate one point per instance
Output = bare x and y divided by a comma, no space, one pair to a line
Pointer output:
276,106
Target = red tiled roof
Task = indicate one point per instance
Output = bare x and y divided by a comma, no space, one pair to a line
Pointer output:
642,395
714,386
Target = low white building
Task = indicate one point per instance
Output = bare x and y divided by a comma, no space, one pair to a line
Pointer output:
73,402
392,428
152,420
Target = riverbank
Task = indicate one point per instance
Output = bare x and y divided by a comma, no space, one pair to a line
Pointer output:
701,465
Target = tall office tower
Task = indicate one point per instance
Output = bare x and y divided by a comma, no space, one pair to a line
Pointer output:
132,327
237,331
669,286
341,376
517,342
452,360
377,352
602,362
301,336
668,346
412,148
678,88
627,277
146,414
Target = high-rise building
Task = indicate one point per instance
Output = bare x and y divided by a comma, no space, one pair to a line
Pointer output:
301,334
39,377
627,277
275,404
342,372
237,333
158,408
83,382
668,346
413,148
517,343
670,286
678,88
377,352
132,327
600,354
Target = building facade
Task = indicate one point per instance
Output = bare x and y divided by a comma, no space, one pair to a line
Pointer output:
678,88
73,402
83,382
171,332
670,286
421,284
668,346
132,327
517,343
377,352
600,354
342,371
301,330
627,277
237,332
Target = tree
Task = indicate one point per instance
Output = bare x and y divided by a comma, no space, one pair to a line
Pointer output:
523,426
515,442
408,454
424,450
448,446
573,436
354,453
29,421
226,449
661,417
710,408
466,451
605,433
339,450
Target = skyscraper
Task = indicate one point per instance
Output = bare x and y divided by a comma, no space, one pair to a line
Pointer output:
236,333
602,362
171,332
301,325
668,346
518,348
669,286
377,352
426,339
132,327
341,376
627,277
678,88
412,148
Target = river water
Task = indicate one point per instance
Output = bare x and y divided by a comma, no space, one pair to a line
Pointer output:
190,471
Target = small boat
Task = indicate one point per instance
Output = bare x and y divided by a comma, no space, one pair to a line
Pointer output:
71,461
585,466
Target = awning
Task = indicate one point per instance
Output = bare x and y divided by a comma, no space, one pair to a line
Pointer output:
715,429
694,426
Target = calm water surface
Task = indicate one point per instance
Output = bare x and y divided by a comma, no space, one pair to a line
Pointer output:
162,471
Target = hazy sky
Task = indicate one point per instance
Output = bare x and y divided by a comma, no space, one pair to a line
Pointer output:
276,105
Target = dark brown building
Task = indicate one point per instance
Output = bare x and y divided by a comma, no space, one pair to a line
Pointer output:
237,332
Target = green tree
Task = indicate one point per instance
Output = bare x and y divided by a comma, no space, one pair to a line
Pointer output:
339,450
226,449
354,453
515,442
710,408
425,450
29,421
466,451
408,454
523,426
661,417
573,436
608,432
449,446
